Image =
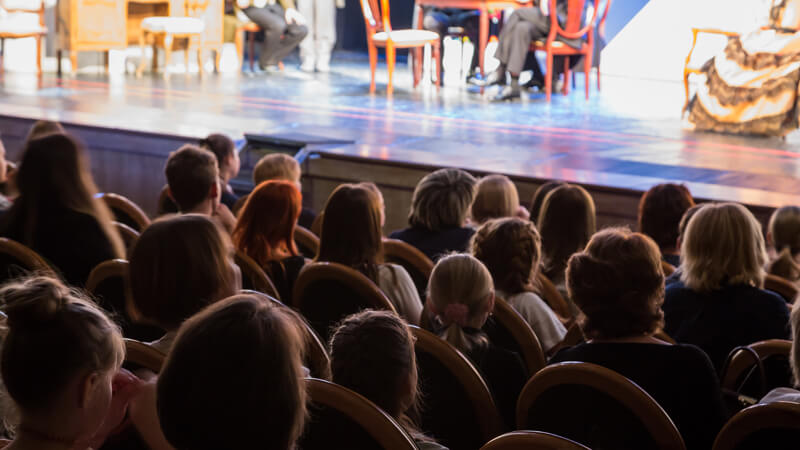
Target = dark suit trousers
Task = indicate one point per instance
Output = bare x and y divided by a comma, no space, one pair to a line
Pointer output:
524,26
280,38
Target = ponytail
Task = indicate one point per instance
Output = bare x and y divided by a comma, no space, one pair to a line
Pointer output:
784,265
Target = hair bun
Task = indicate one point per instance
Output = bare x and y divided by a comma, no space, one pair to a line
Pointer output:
586,273
33,302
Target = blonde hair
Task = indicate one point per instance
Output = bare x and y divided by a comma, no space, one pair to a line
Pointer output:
784,229
459,289
276,166
723,245
495,197
442,199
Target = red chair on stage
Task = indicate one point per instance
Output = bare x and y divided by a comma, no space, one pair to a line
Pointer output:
574,29
380,34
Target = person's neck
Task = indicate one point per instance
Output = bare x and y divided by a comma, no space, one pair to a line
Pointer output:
30,437
641,339
205,208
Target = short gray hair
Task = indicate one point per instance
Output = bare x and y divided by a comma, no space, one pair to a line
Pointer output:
442,199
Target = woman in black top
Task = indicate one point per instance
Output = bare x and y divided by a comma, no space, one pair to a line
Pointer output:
618,284
57,214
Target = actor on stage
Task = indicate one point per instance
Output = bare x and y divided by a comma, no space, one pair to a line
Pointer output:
752,86
316,48
283,27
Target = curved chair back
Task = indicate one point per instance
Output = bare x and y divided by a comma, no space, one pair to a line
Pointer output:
595,406
416,263
316,355
326,292
129,235
774,426
781,286
533,440
316,226
667,268
774,354
253,276
143,355
125,211
108,284
342,418
509,330
459,410
18,260
550,294
306,241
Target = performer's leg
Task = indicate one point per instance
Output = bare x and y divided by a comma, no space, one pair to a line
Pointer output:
273,25
325,33
308,56
293,35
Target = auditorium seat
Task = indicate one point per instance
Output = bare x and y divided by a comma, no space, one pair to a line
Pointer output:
742,373
415,262
17,260
126,211
773,426
306,241
253,276
142,355
129,235
507,329
781,286
532,440
547,290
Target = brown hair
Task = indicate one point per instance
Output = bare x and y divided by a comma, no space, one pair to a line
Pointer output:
540,194
618,284
794,358
351,230
42,128
179,265
495,197
276,166
442,199
234,379
510,248
221,146
660,212
784,232
566,222
54,334
191,173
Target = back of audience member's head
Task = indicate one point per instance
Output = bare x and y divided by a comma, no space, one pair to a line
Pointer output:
234,379
372,353
510,248
42,128
225,150
660,212
723,245
59,357
783,233
566,222
276,166
495,197
618,284
179,265
460,295
192,176
794,358
54,174
442,200
351,230
265,229
687,216
540,194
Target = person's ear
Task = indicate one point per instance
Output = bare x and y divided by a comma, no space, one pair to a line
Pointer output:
769,238
214,192
490,303
87,387
170,196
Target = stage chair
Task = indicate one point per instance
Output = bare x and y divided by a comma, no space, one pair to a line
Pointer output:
573,30
416,263
781,286
12,27
774,426
459,409
774,355
129,235
380,34
693,70
17,260
567,398
125,211
534,440
549,293
342,418
325,292
253,276
510,331
143,355
306,241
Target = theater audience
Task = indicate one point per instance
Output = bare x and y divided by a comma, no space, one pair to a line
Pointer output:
57,214
42,128
496,197
660,212
461,298
372,353
60,365
194,184
351,235
718,304
234,379
539,195
439,210
228,162
5,167
178,266
511,248
618,285
687,216
265,233
784,394
783,236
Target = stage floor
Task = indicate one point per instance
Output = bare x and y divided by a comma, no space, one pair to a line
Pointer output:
630,135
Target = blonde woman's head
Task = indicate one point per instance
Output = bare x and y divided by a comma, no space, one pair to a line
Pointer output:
495,197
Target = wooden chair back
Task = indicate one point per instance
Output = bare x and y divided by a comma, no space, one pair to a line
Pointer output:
573,337
316,355
596,407
376,16
774,426
532,440
460,411
125,211
342,418
316,226
574,27
512,332
416,263
549,293
326,292
781,286
306,241
129,235
667,268
774,354
253,276
17,260
143,355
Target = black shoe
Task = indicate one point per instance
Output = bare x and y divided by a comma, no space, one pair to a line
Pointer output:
507,94
496,78
534,83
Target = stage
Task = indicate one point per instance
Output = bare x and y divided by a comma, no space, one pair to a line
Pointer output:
625,138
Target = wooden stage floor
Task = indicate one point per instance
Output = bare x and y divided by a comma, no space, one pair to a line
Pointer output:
630,135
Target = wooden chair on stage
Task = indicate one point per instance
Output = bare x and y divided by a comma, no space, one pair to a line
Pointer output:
246,31
693,70
380,34
15,27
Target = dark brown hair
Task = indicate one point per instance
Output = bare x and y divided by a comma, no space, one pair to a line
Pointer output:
618,284
510,248
784,233
191,172
566,222
42,128
540,194
234,379
221,146
660,212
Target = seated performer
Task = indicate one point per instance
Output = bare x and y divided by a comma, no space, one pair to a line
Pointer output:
283,28
752,86
440,20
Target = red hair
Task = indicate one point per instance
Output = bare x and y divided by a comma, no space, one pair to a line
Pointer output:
267,221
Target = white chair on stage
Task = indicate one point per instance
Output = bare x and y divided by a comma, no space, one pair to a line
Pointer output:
165,29
18,20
